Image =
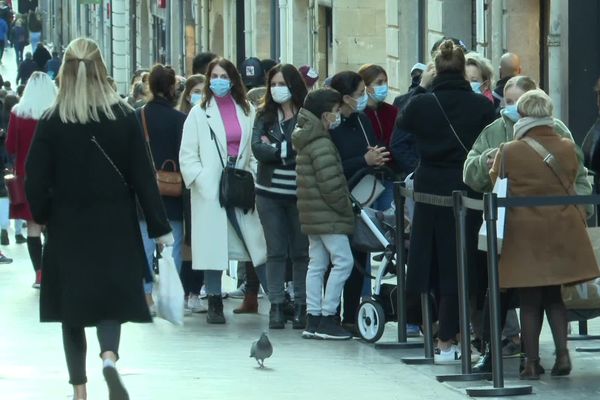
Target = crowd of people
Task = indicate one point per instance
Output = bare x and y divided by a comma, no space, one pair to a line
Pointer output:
261,158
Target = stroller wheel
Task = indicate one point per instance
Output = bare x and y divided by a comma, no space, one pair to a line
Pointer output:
370,320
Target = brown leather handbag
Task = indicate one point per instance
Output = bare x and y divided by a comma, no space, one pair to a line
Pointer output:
170,183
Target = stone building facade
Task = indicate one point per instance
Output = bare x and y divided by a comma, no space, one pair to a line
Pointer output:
331,35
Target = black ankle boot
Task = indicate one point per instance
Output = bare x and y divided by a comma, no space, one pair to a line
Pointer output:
299,316
484,365
276,317
215,310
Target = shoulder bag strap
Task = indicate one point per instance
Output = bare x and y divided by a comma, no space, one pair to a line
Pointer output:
450,123
214,138
145,129
110,161
555,166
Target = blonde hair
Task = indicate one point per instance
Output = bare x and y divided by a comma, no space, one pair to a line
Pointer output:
535,103
85,91
38,96
483,64
522,82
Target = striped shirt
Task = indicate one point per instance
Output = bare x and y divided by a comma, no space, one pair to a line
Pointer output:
283,182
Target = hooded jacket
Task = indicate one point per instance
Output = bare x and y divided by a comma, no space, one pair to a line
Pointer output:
323,199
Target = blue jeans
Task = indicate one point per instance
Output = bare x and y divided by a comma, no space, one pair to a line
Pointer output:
34,39
150,247
384,201
4,209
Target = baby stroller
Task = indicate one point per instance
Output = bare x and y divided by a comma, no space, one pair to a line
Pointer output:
375,232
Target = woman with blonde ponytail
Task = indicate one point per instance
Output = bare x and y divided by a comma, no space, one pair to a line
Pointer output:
87,165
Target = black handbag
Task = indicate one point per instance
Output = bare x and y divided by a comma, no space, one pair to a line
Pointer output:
236,188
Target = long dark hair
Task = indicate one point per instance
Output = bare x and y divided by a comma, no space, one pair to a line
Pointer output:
294,82
238,90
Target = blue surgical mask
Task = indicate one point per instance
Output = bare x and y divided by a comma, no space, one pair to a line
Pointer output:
379,93
337,122
511,113
220,87
361,103
476,86
195,98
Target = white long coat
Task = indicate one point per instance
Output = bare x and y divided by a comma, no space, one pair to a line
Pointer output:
214,241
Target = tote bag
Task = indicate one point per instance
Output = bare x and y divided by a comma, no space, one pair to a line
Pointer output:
501,190
170,290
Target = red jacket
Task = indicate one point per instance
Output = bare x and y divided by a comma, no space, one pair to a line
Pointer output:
18,140
383,119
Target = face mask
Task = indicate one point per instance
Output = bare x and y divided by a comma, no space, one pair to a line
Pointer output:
195,98
361,103
476,86
379,93
220,87
281,94
511,113
337,122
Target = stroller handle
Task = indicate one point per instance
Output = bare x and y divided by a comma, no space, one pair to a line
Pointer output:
381,172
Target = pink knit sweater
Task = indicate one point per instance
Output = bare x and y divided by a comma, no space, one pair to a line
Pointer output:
231,123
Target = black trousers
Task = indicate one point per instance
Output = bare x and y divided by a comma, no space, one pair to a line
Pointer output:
192,280
75,345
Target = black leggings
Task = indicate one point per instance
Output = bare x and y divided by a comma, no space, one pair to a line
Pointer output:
75,345
191,279
448,317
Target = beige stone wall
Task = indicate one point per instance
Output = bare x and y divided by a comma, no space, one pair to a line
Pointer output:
522,32
298,32
358,34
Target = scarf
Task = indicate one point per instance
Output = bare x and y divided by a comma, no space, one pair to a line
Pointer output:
523,125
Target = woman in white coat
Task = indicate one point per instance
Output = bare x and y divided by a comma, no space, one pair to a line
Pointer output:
225,119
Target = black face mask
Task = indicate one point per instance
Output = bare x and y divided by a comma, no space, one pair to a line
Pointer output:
416,81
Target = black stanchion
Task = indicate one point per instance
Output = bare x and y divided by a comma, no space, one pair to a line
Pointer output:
402,343
466,375
498,389
427,334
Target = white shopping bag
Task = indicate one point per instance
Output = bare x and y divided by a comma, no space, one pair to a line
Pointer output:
501,190
170,290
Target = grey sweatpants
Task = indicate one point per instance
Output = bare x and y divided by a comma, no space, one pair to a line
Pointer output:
323,249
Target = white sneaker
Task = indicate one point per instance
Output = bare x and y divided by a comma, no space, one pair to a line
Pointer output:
452,356
196,305
239,293
203,294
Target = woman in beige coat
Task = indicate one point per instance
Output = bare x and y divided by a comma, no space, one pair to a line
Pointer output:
218,132
544,247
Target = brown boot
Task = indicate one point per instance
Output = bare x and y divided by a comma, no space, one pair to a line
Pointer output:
532,369
249,305
562,365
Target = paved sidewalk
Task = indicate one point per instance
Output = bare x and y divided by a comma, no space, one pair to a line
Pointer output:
204,362
197,361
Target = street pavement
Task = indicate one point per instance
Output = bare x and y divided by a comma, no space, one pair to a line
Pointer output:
205,362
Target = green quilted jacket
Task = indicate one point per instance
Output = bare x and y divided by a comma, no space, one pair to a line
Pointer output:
323,198
476,173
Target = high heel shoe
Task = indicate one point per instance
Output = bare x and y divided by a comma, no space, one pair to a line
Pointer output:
562,365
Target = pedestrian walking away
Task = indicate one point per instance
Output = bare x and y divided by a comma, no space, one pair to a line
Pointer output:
39,95
86,167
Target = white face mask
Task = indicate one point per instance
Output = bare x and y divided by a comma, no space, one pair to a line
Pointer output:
281,94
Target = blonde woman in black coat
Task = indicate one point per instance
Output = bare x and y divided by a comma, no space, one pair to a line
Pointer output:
87,164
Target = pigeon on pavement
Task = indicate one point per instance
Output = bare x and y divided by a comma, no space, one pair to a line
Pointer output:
261,350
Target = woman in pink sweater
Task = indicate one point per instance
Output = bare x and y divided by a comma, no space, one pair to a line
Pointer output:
218,133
